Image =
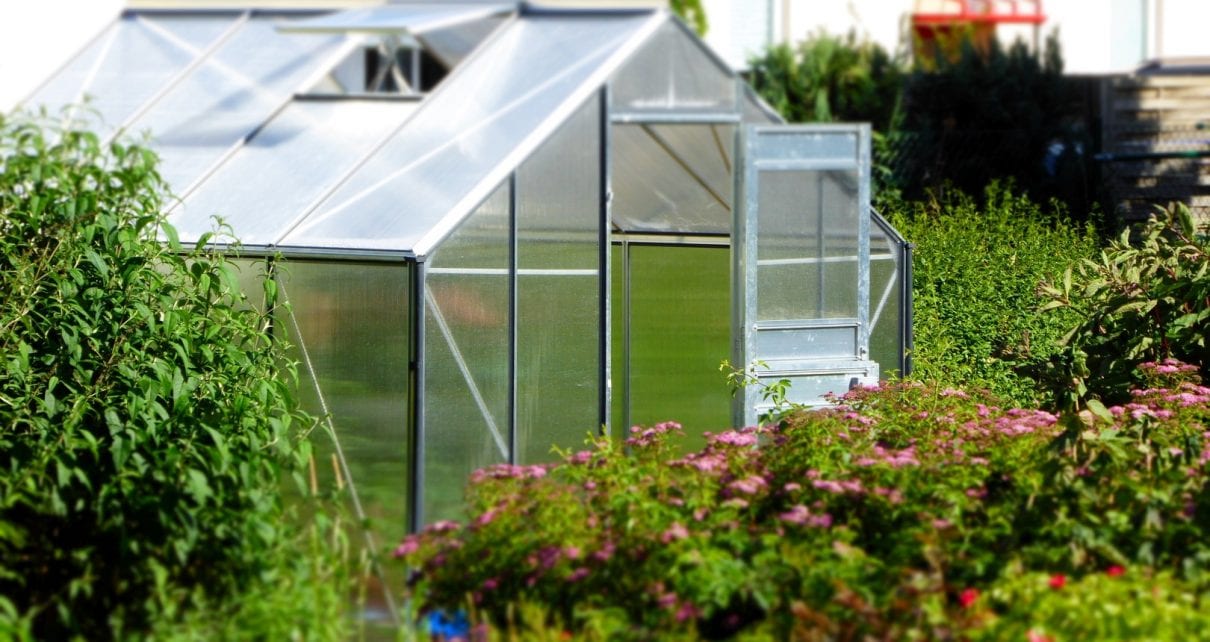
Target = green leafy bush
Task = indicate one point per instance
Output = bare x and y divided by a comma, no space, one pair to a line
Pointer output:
1120,603
146,418
976,269
829,78
887,515
1146,298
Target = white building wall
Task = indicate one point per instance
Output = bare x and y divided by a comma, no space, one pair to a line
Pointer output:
38,37
1097,36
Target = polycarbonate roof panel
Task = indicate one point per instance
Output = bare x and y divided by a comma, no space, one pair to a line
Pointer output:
287,167
131,61
673,71
413,18
467,136
231,93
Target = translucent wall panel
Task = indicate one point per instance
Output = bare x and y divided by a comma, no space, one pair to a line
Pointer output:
461,142
756,111
129,63
807,245
673,71
353,320
298,157
559,374
229,95
886,292
466,339
679,333
672,178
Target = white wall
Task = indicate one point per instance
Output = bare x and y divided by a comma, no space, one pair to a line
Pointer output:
38,36
1097,36
1183,26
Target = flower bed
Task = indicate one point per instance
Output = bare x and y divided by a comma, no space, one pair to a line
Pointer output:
903,510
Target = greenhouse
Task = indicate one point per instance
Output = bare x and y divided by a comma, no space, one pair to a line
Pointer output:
502,227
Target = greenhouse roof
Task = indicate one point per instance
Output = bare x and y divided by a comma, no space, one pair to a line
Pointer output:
240,110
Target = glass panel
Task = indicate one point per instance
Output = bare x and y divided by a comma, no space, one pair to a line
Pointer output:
466,340
704,150
461,141
451,45
295,159
807,232
353,320
756,111
234,91
886,313
618,316
672,71
558,289
680,331
674,178
129,63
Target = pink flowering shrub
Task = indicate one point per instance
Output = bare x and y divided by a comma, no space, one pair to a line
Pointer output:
902,510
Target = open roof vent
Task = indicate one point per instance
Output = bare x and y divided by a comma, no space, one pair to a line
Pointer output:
406,49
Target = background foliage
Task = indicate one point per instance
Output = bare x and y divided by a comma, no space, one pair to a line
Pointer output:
829,78
977,266
995,115
692,13
146,419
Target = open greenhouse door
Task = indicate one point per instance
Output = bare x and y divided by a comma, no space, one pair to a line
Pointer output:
800,263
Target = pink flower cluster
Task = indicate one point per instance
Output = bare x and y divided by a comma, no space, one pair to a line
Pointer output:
1167,367
802,516
508,471
892,458
644,437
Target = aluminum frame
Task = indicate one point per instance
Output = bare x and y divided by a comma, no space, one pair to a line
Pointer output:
750,162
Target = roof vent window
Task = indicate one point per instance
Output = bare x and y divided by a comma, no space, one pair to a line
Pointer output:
407,49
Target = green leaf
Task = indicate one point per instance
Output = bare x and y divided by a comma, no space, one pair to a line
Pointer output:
1097,408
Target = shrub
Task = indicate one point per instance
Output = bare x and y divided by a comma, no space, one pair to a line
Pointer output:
145,416
1146,298
976,269
887,516
829,78
1119,603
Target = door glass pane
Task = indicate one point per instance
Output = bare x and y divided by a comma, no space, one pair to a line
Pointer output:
807,238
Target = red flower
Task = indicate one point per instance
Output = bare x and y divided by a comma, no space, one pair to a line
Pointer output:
1058,581
1034,636
1115,570
967,597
